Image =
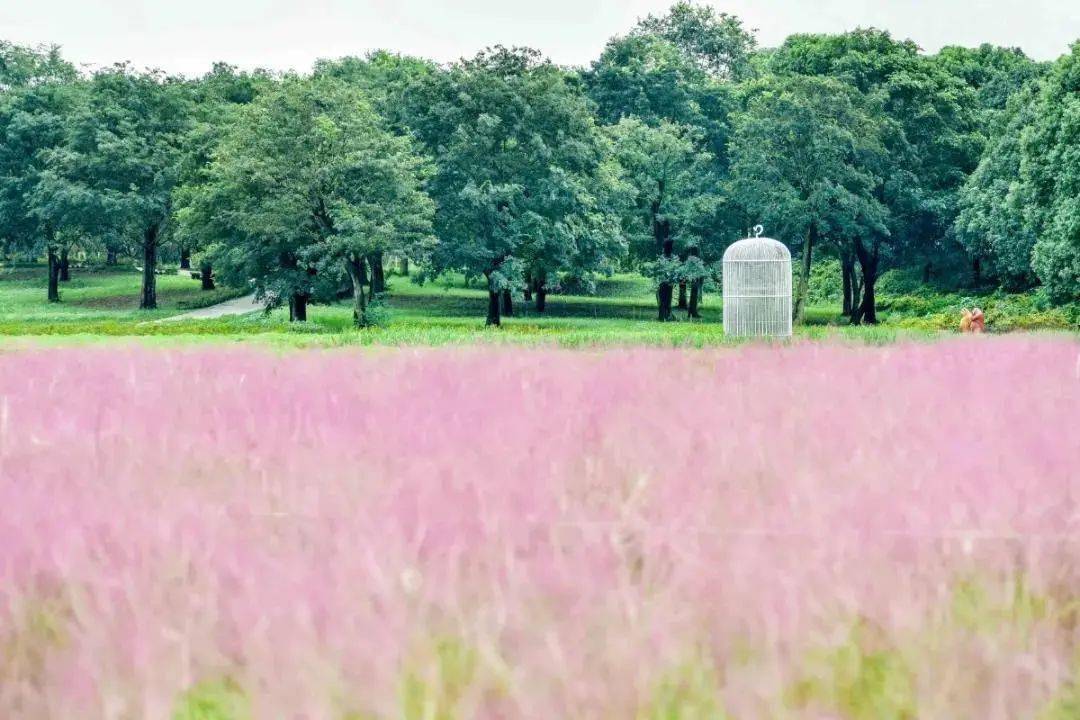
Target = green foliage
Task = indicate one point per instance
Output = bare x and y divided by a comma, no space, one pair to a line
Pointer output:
718,42
863,679
523,173
690,691
213,700
304,187
120,158
670,180
1051,171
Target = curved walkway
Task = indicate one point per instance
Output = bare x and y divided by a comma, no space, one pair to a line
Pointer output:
237,306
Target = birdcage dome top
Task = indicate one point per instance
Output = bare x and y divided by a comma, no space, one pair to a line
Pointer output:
757,249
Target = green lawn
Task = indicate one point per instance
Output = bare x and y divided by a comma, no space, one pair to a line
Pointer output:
101,303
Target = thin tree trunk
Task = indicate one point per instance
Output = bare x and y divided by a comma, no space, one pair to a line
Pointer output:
695,291
206,274
149,280
540,284
666,288
695,300
110,256
927,271
357,275
507,303
378,275
65,266
868,263
405,266
298,307
54,276
185,259
976,272
528,292
494,305
662,237
804,275
847,266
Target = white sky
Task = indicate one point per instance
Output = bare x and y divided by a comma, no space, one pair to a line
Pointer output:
186,36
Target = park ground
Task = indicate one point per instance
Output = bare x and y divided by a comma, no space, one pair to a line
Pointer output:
101,304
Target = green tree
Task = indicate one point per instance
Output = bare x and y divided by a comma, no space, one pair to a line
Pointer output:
307,185
386,79
653,79
22,66
673,195
120,161
991,224
933,139
217,97
37,91
519,160
717,42
804,158
1050,170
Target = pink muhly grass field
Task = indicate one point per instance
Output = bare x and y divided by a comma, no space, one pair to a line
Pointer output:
814,531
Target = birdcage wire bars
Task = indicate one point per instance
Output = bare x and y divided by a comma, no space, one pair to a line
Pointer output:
757,288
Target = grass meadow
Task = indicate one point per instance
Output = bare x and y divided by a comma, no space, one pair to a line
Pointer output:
812,531
585,514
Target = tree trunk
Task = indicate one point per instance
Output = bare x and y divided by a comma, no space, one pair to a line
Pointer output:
405,266
662,237
695,299
682,295
54,276
149,280
804,275
541,297
378,275
493,308
976,272
65,266
357,275
507,303
298,307
528,289
185,259
868,263
927,271
847,266
667,288
110,256
695,291
206,274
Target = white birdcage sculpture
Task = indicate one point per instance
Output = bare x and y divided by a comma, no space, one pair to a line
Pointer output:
757,288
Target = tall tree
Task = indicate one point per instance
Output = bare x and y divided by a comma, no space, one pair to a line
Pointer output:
1050,170
673,188
804,156
39,89
992,224
718,42
933,138
305,188
217,97
518,155
385,78
120,161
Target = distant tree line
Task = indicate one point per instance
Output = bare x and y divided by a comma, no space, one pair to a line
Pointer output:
533,178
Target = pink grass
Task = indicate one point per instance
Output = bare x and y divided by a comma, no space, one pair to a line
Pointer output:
765,532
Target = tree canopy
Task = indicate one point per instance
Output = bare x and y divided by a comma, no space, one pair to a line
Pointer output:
506,168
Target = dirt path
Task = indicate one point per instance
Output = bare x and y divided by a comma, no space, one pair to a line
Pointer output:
238,306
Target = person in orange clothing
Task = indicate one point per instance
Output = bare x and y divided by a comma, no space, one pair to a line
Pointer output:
978,321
